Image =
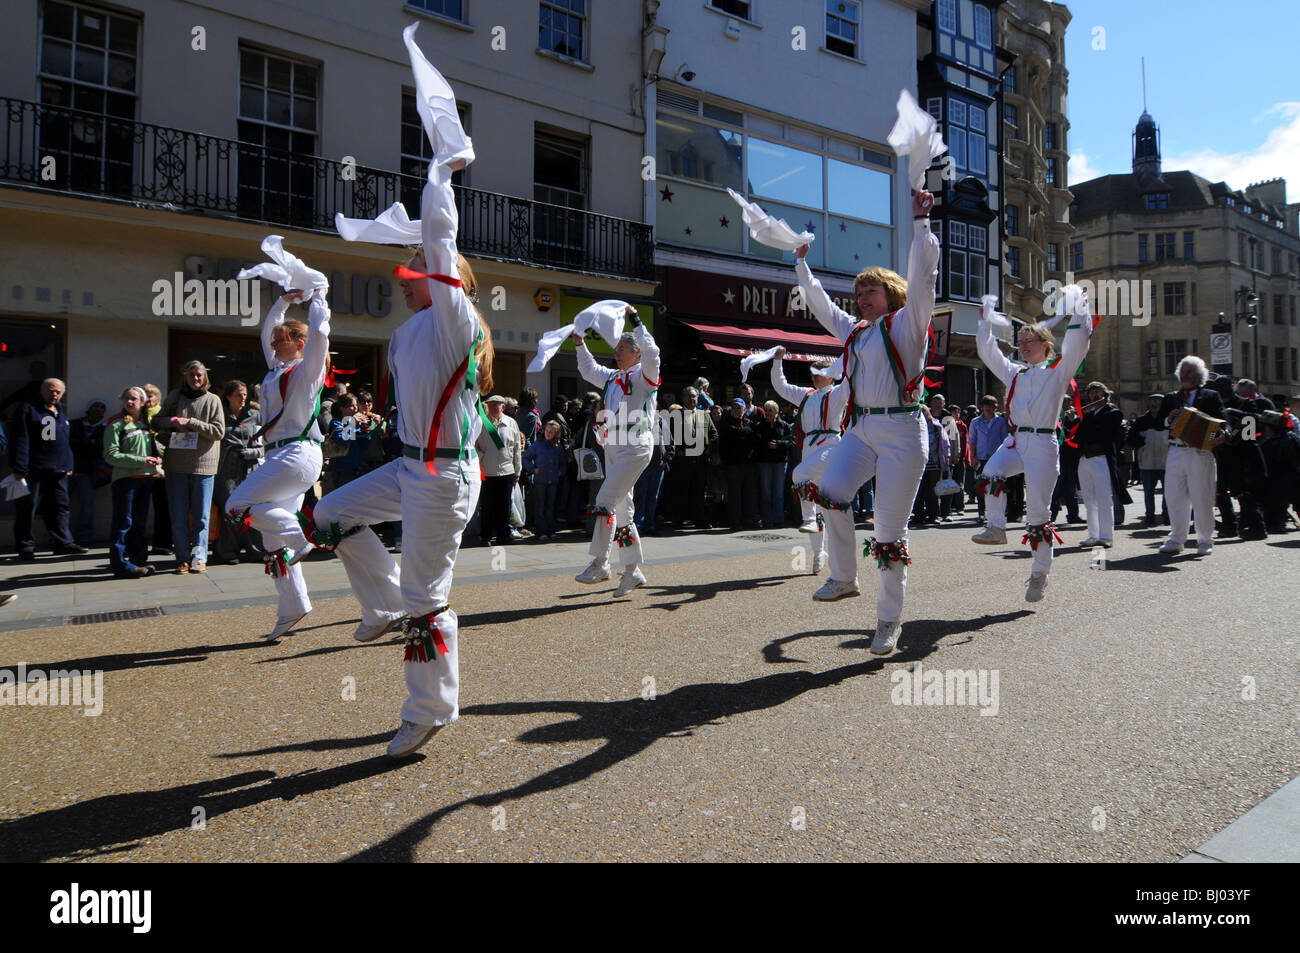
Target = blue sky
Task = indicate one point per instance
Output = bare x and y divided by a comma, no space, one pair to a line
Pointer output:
1223,83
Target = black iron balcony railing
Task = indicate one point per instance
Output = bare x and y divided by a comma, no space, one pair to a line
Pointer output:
68,150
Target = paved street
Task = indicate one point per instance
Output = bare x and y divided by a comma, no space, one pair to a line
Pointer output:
719,714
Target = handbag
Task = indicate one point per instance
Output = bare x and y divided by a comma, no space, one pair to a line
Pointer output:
517,506
947,487
589,465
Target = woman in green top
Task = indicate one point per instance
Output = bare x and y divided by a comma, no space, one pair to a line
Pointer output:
130,450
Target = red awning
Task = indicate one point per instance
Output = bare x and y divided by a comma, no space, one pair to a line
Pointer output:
808,346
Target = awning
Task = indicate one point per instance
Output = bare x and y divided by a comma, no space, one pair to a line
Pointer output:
808,346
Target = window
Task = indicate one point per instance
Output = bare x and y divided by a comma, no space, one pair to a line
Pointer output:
1241,249
1277,310
1013,260
88,62
701,152
417,151
1076,256
559,179
1157,201
983,28
1009,80
1279,364
967,136
1013,220
277,119
1051,170
1010,115
1053,257
947,14
1142,248
1049,136
1153,358
967,260
452,9
737,8
1189,245
1175,351
786,174
842,27
1277,261
1164,245
1175,297
562,27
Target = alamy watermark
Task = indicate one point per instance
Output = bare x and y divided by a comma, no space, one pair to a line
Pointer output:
65,687
625,427
178,296
946,687
1108,298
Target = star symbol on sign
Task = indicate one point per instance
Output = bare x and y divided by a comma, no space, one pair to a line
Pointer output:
688,229
855,256
723,221
666,194
843,227
729,296
810,227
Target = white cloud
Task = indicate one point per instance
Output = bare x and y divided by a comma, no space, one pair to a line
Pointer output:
1278,156
1081,170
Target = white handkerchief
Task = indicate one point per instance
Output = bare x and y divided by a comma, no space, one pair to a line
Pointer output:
436,104
15,488
747,363
989,312
391,227
836,370
605,317
1073,302
287,270
916,136
772,232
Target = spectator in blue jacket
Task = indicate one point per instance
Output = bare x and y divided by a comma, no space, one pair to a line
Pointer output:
40,452
546,460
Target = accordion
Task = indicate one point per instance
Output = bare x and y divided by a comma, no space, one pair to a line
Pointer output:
1194,428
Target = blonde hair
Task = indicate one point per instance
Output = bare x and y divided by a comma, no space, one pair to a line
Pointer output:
485,354
895,285
1043,334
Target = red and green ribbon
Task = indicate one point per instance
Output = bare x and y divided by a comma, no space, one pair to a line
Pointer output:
1042,532
423,636
886,554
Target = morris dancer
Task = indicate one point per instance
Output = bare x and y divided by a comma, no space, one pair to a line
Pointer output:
269,498
817,431
1100,430
629,408
439,361
1035,391
884,436
1190,473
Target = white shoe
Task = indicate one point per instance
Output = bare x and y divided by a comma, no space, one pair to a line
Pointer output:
1171,546
632,578
1204,549
1089,543
991,536
593,574
808,526
283,626
837,589
1037,583
1105,543
411,737
819,563
886,639
369,631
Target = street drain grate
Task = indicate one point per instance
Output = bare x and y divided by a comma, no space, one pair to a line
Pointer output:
113,616
765,537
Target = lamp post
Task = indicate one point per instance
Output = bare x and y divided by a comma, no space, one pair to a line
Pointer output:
1245,301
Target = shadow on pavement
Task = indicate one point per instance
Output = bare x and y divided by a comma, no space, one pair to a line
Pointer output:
113,823
629,726
706,591
322,744
125,660
917,632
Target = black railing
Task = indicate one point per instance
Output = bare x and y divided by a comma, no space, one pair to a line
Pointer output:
68,150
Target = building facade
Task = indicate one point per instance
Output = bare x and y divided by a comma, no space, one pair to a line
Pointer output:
1036,200
1168,253
155,143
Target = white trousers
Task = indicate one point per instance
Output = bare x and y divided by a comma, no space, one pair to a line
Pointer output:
1189,490
272,494
1098,497
893,449
1037,456
623,465
434,511
810,470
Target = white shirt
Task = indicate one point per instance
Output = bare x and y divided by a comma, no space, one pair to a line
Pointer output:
629,396
1040,388
823,410
874,384
304,385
